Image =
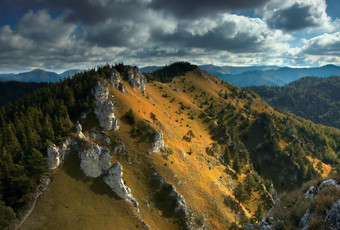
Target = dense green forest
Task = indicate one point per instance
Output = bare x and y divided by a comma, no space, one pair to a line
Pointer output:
167,73
12,91
28,126
314,98
257,138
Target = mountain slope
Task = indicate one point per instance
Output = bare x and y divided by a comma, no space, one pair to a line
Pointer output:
313,98
223,145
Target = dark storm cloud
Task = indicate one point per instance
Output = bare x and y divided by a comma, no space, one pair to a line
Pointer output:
197,8
293,18
300,15
92,12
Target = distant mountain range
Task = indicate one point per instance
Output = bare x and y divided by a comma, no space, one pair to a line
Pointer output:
261,75
39,75
239,76
268,75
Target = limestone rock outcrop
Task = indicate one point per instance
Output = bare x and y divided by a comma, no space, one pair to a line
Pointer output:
158,142
305,220
115,81
115,182
115,78
136,79
56,155
94,160
311,192
104,109
167,192
79,130
53,157
101,137
333,216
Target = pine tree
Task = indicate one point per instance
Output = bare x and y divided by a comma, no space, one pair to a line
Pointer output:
240,193
259,213
236,164
227,156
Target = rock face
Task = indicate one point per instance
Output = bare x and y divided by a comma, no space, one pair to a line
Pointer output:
53,157
115,78
330,182
305,220
333,216
267,223
99,136
167,195
104,109
56,155
115,81
136,79
95,160
158,142
115,182
79,130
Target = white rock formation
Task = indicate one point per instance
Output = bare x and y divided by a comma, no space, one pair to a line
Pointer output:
181,205
305,220
104,109
115,182
79,130
136,78
99,136
311,192
95,160
115,78
53,157
330,182
158,142
333,216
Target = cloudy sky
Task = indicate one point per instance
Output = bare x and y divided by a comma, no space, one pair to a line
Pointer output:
63,34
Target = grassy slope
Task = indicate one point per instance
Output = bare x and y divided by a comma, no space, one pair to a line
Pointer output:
73,201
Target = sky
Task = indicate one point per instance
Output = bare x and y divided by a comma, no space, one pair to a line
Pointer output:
58,35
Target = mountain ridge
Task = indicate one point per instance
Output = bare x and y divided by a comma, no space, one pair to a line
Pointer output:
195,151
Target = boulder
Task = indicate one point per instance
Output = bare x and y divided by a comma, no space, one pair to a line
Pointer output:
114,180
333,216
305,220
100,136
311,192
79,130
53,157
330,182
95,160
267,223
122,88
158,142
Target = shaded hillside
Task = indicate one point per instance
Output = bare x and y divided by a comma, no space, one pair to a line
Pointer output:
12,91
316,99
167,73
194,151
278,77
